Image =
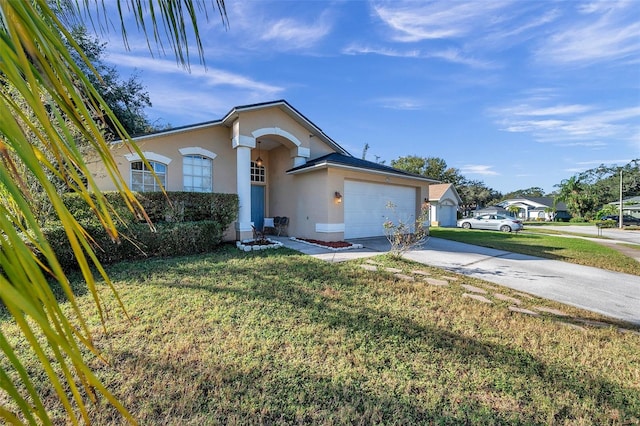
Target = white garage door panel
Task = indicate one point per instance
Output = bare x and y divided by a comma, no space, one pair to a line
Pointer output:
365,207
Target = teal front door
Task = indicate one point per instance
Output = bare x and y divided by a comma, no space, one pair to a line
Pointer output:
257,206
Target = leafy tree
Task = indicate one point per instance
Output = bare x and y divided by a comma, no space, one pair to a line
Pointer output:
578,200
412,164
431,167
513,209
534,192
49,98
126,98
475,193
588,191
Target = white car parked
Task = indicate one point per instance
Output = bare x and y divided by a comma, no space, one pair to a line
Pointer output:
492,221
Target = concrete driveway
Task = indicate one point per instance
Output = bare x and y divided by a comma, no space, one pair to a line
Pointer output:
613,294
609,293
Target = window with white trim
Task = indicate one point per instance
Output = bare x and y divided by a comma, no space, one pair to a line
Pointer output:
143,180
257,172
197,172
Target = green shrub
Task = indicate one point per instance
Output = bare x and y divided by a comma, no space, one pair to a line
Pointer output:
577,219
606,223
185,223
139,241
160,207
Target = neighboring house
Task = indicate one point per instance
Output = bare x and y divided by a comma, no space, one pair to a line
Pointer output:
280,164
537,208
630,206
444,201
493,210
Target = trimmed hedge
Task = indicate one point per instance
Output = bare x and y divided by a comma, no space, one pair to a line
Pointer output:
139,241
185,222
172,207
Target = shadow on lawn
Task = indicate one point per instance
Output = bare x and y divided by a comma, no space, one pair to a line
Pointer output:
270,282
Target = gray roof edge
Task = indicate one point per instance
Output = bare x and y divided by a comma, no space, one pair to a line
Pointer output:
354,163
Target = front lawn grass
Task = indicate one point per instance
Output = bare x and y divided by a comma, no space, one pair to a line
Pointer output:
275,337
574,250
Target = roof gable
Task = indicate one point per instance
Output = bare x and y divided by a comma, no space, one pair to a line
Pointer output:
235,112
438,192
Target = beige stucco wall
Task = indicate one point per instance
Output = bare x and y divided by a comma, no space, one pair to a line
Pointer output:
315,203
214,139
306,198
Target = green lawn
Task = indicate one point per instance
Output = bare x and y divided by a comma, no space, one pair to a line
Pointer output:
275,337
574,250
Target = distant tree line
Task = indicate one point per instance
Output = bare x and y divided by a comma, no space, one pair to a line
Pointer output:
585,194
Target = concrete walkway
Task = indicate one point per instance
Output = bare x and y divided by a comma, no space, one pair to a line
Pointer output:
612,294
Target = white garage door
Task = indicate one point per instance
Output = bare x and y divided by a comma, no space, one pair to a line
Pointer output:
365,207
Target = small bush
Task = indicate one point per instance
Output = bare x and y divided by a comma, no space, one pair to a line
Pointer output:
606,223
404,235
577,219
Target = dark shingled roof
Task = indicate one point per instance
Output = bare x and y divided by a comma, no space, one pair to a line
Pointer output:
350,161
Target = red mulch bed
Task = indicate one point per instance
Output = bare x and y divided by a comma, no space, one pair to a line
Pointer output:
331,244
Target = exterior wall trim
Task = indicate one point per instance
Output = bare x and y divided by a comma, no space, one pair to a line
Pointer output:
276,131
196,150
329,227
150,156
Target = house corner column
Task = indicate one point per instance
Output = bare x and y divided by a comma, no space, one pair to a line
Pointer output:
243,146
299,155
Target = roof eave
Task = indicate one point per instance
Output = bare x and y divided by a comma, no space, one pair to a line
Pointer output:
327,164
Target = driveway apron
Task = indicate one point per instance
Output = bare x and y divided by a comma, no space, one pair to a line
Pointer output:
613,294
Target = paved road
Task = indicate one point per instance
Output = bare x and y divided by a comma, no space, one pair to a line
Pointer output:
613,233
613,294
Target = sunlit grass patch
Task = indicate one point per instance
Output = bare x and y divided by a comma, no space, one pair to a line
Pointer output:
278,337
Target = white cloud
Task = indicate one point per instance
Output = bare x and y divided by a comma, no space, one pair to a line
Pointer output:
527,110
416,21
478,169
292,34
570,124
209,76
358,49
453,55
457,56
606,31
399,103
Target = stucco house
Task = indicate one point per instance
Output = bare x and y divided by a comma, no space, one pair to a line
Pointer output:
537,208
630,206
444,201
280,164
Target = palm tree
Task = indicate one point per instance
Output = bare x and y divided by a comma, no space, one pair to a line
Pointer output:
573,193
51,100
514,210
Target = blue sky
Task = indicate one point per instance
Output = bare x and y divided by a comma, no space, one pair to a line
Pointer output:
514,93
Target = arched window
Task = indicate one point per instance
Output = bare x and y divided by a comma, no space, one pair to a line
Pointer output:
257,172
142,178
197,172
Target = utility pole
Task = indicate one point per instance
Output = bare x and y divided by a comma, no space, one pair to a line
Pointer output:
620,216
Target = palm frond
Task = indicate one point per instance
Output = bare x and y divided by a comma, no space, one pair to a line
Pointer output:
37,65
